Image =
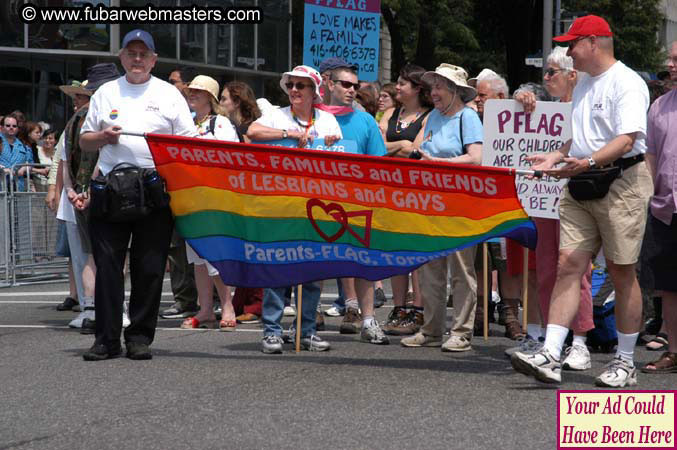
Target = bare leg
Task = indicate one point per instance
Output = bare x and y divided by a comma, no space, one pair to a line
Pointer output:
399,283
205,289
566,294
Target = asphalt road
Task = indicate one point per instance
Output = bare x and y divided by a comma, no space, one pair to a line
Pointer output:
207,389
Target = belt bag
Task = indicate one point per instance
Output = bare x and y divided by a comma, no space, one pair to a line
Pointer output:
127,193
593,184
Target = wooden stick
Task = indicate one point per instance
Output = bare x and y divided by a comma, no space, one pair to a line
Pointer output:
299,306
525,288
485,285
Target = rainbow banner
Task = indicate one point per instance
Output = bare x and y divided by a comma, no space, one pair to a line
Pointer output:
268,216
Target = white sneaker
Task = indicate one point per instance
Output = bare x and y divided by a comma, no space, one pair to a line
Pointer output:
456,344
525,345
577,358
540,365
77,322
289,311
333,312
125,315
618,373
495,297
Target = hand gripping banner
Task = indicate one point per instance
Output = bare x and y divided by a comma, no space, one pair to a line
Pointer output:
268,216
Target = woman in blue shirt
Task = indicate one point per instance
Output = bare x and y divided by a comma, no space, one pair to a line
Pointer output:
453,133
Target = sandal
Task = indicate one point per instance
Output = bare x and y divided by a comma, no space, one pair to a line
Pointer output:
658,344
192,322
227,325
667,363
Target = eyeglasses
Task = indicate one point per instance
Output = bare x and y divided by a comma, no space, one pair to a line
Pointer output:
551,72
140,55
299,86
573,43
347,84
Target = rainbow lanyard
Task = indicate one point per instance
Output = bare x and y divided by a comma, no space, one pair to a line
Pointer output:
310,122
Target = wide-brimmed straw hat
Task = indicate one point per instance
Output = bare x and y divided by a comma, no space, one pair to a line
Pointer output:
76,88
457,75
205,83
305,72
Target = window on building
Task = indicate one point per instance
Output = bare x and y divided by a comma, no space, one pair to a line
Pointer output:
244,41
70,36
274,48
164,35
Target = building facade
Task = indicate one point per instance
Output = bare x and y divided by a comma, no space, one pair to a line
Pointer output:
38,58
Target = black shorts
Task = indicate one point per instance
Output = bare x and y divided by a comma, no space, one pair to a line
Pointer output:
662,256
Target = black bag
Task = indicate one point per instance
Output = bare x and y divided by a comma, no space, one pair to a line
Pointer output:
593,184
127,193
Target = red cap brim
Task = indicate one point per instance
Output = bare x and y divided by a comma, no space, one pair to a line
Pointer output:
565,38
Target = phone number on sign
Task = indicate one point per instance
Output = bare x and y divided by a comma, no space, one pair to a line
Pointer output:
343,51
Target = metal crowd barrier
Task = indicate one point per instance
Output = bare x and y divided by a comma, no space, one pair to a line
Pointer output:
29,230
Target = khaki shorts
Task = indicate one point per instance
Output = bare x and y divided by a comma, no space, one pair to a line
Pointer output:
615,223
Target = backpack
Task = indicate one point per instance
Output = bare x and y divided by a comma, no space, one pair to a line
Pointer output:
603,337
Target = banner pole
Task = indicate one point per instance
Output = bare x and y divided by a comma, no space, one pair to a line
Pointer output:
485,285
299,306
133,133
525,287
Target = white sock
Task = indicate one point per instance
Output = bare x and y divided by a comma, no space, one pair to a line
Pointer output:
367,321
555,336
626,346
579,340
352,303
534,330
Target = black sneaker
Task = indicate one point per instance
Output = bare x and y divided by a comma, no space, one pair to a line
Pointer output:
67,304
100,352
138,351
379,298
88,326
179,311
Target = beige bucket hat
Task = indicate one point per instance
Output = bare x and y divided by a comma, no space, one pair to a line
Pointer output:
205,83
456,75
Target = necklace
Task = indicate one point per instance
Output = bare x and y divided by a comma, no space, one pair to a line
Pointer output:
310,123
401,124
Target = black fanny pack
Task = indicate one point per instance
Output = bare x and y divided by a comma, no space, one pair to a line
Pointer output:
127,193
595,183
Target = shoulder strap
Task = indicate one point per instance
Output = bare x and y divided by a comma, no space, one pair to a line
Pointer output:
212,125
460,126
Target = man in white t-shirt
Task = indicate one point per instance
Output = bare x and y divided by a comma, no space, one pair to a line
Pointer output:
136,102
609,109
303,122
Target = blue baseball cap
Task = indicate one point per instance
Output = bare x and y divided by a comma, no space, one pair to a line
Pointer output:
336,63
139,35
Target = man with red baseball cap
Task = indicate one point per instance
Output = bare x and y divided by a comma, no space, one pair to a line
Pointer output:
605,202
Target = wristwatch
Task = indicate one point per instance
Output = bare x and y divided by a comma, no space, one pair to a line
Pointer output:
591,163
285,135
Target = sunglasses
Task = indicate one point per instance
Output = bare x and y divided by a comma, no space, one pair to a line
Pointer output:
11,126
299,86
551,72
573,43
347,84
